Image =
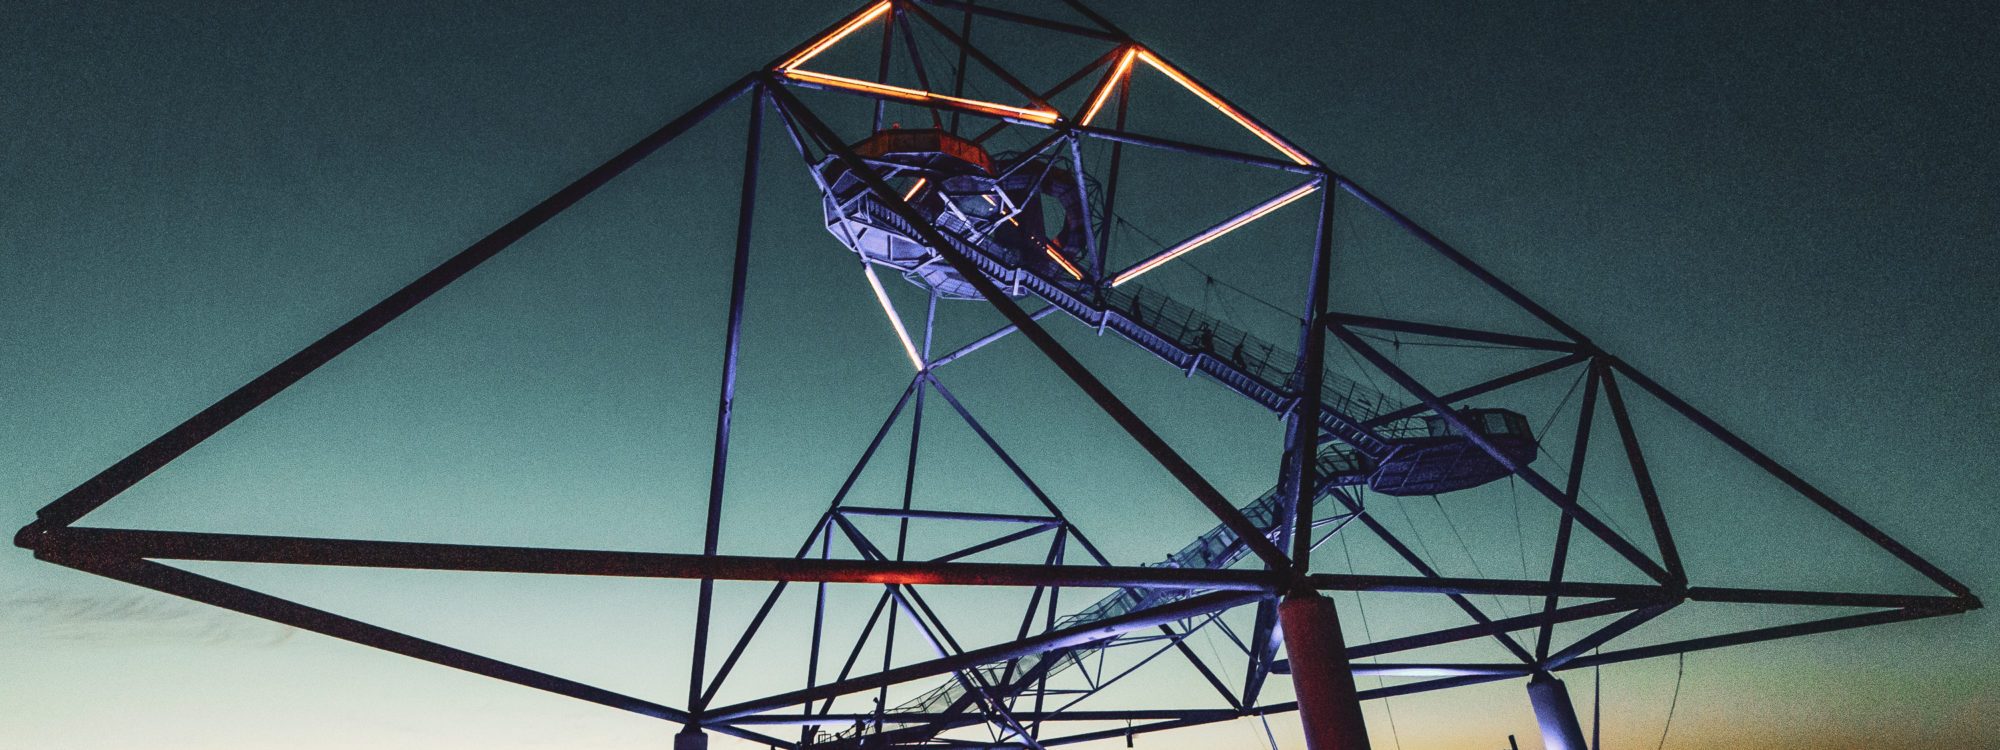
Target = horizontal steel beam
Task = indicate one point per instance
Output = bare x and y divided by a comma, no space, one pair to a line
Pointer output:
1451,332
1798,484
229,596
943,515
1499,586
1392,669
184,545
129,470
844,719
1825,598
1484,629
1827,625
1050,641
1461,395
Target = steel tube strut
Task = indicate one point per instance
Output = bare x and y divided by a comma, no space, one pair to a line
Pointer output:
1656,514
1451,253
1579,450
181,545
1490,627
1051,641
1461,395
1827,625
1140,432
725,408
1596,526
229,596
1775,469
1302,474
143,462
1451,332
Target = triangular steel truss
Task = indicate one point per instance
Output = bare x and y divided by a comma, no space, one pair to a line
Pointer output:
1018,703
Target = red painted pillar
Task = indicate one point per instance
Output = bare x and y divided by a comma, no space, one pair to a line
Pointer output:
1328,708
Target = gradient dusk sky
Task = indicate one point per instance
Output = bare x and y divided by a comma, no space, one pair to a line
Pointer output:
1785,212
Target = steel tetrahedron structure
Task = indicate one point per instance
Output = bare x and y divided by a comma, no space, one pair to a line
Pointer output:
904,155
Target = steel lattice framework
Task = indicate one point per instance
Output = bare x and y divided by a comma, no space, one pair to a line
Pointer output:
888,199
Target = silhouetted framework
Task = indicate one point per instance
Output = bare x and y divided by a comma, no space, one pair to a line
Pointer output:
897,200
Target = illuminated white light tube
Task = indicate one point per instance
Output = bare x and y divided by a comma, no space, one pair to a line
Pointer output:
1213,232
896,321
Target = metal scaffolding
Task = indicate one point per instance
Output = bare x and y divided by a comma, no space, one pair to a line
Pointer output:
1341,438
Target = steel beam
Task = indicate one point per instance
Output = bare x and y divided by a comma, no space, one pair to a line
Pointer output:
1085,380
181,545
1579,450
1777,470
1596,526
120,476
1055,640
725,407
229,596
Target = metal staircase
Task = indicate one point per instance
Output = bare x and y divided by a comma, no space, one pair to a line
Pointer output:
1217,548
1416,455
1179,335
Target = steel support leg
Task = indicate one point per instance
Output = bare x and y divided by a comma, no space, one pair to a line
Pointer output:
691,738
1555,714
1328,707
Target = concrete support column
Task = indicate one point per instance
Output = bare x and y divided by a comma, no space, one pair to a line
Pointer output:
1328,708
691,738
1555,714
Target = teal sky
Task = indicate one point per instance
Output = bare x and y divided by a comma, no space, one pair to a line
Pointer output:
1784,214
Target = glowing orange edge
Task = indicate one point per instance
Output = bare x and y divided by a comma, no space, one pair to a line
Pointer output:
1197,90
835,37
1111,81
1037,115
1064,262
1210,235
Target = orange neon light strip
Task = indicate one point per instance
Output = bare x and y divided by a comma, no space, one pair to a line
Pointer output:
914,189
1044,116
1110,82
902,334
1214,232
1196,88
1064,262
836,36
